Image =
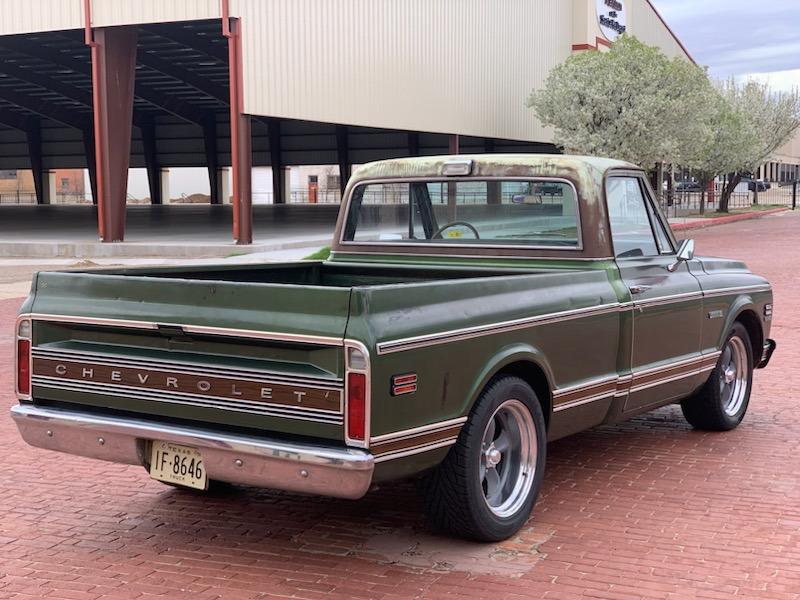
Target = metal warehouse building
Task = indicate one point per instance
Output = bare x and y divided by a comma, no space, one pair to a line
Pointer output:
110,85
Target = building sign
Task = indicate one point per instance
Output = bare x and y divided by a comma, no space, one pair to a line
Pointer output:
611,17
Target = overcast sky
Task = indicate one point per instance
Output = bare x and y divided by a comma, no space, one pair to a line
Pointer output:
745,38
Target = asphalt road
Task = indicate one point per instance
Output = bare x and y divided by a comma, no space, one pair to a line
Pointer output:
647,509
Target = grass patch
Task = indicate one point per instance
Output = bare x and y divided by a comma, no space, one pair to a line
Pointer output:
321,254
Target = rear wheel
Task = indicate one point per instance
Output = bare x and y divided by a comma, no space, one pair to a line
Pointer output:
722,402
487,485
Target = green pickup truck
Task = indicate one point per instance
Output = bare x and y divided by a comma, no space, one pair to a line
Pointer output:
473,308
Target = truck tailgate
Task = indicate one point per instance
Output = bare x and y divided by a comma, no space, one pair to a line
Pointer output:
258,356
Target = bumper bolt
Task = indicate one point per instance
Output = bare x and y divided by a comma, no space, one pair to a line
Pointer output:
101,441
303,473
238,462
49,433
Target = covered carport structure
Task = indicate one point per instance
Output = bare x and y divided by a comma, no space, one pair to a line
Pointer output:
110,85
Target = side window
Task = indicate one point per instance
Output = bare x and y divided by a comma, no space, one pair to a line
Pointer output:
631,229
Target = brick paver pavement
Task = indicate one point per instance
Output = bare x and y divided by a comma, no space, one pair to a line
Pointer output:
648,509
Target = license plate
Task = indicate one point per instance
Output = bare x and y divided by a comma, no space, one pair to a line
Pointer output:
174,463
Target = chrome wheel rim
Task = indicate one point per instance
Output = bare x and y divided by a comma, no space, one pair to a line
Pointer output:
733,376
508,458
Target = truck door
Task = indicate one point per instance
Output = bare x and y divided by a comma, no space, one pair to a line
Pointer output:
666,304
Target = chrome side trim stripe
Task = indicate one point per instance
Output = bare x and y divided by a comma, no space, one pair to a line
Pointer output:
416,450
672,299
410,433
454,335
594,390
198,329
737,290
586,386
581,402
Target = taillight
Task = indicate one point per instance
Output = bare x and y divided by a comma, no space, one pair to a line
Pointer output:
356,406
23,358
357,394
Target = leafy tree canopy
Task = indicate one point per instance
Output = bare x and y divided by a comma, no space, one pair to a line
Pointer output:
635,104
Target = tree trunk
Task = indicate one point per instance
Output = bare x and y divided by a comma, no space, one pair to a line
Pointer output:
671,186
755,192
731,181
703,187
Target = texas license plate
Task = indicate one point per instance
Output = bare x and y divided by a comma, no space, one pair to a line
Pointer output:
178,464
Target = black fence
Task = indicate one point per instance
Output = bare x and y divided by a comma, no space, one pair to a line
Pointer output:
688,203
30,198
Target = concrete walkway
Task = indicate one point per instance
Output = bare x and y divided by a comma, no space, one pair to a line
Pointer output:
175,231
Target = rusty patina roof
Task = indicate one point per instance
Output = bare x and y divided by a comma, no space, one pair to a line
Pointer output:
496,165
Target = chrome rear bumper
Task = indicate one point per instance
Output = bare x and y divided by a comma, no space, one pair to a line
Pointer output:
262,462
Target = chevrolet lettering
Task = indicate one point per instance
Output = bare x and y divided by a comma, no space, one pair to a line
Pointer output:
473,308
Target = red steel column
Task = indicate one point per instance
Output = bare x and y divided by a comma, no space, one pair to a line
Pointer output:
113,72
241,148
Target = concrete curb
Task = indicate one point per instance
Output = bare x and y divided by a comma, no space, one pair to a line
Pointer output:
702,223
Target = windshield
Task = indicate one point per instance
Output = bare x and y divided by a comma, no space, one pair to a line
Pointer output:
497,213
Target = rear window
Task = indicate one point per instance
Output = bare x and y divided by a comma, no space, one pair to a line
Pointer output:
542,213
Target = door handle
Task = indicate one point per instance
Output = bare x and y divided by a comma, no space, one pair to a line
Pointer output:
639,289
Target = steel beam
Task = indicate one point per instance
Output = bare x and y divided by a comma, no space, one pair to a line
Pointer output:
453,148
33,134
51,84
276,161
208,87
413,143
454,143
14,120
113,72
186,38
212,163
343,156
151,163
45,108
241,138
91,162
169,103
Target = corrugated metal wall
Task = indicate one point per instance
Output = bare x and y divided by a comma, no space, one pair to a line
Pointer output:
33,16
122,12
462,66
644,23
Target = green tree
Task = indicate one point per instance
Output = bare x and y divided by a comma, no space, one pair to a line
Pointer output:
631,103
764,121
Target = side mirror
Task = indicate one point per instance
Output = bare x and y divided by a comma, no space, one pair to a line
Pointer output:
685,254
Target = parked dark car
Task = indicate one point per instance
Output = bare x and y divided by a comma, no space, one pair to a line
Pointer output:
763,186
688,186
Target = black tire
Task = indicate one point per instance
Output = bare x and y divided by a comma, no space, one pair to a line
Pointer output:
456,492
711,408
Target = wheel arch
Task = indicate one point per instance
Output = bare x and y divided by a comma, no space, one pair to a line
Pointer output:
749,319
525,362
743,310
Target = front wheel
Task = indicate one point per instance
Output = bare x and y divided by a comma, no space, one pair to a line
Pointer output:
722,402
487,485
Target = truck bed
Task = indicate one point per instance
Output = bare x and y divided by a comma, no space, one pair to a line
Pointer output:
318,274
277,326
